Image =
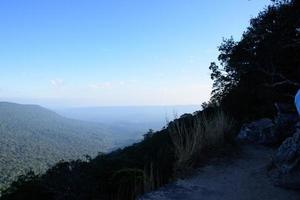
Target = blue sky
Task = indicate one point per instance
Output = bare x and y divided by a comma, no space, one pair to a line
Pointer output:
114,52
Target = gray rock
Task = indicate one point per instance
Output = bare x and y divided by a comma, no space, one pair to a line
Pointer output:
261,132
285,171
267,132
285,121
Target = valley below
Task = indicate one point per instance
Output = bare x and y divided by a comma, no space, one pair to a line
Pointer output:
33,138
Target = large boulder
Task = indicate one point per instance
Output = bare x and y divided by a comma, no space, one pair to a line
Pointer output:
260,131
285,171
285,121
268,132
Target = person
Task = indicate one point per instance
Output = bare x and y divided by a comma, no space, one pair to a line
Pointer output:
297,101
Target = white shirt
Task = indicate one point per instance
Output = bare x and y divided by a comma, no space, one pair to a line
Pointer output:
297,101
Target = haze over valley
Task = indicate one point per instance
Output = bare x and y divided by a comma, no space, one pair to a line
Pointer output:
131,121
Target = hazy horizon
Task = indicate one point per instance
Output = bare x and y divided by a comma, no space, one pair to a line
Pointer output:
52,106
112,53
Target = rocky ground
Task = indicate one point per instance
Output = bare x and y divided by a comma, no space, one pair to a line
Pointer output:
244,177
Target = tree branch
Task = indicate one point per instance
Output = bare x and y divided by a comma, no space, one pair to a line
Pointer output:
283,81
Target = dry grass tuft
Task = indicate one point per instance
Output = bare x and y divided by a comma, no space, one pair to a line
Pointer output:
205,132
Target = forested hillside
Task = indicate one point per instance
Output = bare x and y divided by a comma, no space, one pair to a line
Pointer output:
32,137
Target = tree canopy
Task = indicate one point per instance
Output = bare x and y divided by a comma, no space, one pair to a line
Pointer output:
263,67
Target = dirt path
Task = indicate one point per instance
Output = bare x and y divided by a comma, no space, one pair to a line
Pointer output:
243,178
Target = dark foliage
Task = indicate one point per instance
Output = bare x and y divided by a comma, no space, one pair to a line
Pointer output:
263,67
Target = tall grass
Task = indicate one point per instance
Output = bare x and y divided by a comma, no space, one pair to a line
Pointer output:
205,132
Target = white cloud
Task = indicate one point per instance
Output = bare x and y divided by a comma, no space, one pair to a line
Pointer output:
122,83
57,83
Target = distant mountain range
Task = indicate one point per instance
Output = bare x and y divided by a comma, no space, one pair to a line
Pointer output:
134,120
32,137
